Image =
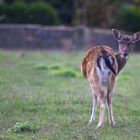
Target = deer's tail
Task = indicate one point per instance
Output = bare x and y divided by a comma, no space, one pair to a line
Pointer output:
106,61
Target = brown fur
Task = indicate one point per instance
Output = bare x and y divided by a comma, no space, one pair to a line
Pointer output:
121,62
89,71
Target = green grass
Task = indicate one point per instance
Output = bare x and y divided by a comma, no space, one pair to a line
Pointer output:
47,90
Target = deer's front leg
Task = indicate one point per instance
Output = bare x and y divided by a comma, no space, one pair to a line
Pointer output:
102,110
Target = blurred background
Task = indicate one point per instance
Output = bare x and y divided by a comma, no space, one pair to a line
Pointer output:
69,24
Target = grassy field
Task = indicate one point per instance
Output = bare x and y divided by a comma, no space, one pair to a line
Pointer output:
44,97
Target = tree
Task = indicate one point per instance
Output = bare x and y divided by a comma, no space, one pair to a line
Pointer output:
97,13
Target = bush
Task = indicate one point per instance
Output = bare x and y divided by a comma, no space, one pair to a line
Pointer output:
129,18
20,12
64,8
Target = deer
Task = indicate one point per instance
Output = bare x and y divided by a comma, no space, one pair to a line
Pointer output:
101,67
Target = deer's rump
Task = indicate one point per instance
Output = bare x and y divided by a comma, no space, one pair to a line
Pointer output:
93,59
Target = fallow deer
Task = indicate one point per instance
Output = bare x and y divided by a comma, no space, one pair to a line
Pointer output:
100,67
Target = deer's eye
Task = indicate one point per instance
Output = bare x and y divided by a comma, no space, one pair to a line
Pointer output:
121,42
130,43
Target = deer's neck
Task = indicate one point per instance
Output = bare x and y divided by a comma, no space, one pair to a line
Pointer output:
121,61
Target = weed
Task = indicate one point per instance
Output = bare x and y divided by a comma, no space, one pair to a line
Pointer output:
55,67
64,73
23,127
41,66
58,70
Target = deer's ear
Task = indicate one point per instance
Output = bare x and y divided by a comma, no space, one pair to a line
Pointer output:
136,36
116,34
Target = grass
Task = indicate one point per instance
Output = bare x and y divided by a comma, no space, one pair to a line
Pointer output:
46,92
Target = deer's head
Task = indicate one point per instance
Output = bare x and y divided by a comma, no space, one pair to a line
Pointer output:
125,42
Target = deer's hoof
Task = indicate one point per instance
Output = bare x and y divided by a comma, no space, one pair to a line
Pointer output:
112,125
99,126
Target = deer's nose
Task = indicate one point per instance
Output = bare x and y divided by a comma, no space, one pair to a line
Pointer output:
125,54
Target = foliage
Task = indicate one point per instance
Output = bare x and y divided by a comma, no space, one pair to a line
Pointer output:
20,12
97,13
129,18
94,13
23,127
65,9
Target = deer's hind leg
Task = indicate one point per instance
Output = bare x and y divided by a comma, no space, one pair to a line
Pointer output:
109,102
102,109
95,101
110,109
